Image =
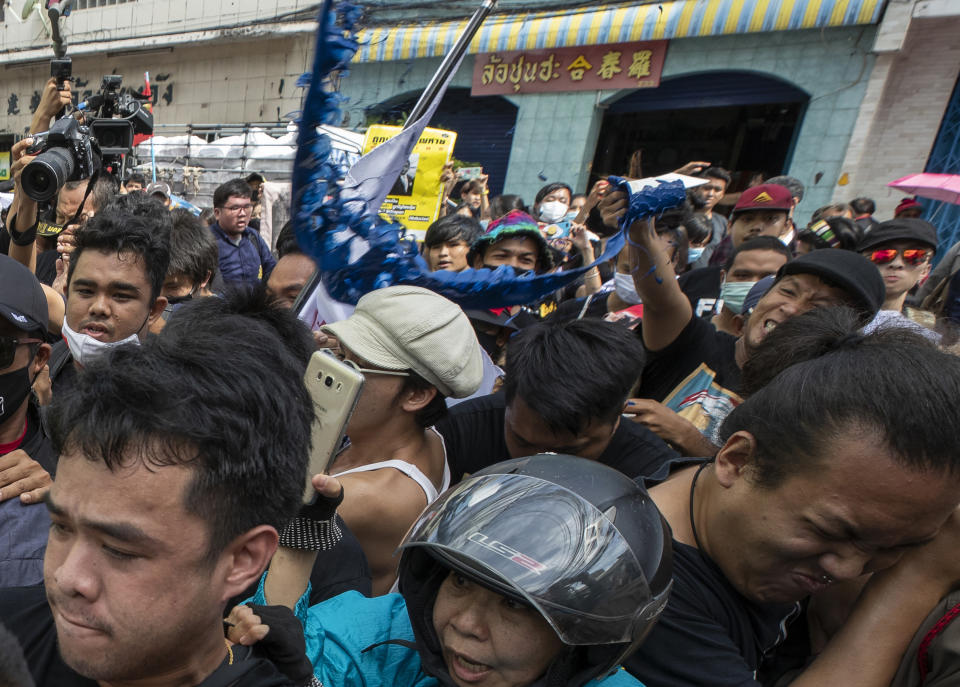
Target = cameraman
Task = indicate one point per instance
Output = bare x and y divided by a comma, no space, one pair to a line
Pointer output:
22,217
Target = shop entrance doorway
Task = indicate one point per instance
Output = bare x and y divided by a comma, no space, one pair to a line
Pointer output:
742,121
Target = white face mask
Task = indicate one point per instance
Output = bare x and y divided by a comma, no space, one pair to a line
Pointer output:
552,210
623,283
85,349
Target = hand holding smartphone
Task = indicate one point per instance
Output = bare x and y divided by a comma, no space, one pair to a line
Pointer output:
335,388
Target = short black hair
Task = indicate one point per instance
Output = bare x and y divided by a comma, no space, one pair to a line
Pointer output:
716,173
863,206
193,250
550,188
758,243
173,401
453,227
698,228
573,371
234,187
847,233
137,178
142,205
471,186
674,217
255,176
134,223
815,378
287,243
501,205
106,189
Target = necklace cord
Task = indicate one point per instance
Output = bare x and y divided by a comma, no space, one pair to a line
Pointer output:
693,524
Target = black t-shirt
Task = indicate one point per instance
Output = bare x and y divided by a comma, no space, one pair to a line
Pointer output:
708,634
27,616
696,376
473,434
702,288
46,270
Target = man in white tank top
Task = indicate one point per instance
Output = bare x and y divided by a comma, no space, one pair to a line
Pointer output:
415,348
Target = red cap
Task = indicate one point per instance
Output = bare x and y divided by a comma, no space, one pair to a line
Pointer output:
764,197
906,204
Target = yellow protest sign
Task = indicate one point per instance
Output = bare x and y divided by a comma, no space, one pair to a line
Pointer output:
4,165
414,200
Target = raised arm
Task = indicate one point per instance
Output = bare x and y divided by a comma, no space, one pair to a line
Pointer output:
22,217
666,311
311,531
51,102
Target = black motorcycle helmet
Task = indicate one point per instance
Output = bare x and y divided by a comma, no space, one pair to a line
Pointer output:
576,540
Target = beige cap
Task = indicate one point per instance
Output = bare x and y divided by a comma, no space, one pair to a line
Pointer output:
412,328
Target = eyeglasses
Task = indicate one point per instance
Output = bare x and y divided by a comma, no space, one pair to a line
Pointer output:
911,256
8,349
238,208
366,370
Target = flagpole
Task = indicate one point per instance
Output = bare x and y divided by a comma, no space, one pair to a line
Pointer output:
449,63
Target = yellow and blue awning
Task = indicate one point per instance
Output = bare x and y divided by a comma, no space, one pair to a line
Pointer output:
616,24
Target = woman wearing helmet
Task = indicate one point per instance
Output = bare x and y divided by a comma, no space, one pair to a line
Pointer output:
545,570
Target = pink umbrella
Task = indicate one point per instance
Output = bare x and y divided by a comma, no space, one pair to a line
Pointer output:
945,187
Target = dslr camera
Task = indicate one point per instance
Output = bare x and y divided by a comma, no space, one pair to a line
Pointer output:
72,151
65,153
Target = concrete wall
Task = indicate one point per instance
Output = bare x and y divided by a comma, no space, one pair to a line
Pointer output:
234,76
906,98
252,81
145,19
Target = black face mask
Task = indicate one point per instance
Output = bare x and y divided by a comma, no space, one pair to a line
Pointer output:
14,388
177,300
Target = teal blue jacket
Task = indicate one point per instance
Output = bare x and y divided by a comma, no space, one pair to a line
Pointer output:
340,629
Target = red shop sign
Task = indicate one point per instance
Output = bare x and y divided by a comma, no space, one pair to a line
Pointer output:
587,68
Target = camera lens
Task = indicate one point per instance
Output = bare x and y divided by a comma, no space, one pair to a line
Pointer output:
43,177
328,381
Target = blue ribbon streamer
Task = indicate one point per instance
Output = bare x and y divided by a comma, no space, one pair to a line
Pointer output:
330,229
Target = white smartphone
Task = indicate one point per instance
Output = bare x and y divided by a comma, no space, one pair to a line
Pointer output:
335,388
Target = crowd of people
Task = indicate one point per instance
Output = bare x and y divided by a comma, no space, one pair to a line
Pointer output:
727,456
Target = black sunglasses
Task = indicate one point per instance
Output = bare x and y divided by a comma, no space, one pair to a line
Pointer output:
8,349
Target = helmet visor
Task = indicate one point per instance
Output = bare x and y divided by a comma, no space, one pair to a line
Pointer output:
533,539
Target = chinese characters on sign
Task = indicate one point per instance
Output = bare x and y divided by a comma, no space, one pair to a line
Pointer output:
592,67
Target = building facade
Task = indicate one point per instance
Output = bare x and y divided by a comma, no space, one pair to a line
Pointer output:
845,95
